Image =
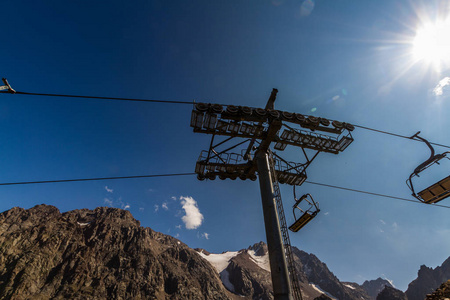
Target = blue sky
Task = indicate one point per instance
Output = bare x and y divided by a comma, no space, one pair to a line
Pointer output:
352,61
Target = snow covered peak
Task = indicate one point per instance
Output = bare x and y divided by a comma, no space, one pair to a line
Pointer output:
260,249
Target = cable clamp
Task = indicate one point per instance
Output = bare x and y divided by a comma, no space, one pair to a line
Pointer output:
7,87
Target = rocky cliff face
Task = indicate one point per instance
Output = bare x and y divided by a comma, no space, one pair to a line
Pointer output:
248,278
374,287
442,293
99,254
105,254
428,280
247,273
318,274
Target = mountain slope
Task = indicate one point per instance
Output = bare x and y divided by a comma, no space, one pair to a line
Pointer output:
318,273
374,287
442,293
102,254
247,273
428,280
390,293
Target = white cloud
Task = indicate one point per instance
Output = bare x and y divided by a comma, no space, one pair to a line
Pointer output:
382,222
164,205
108,202
395,226
156,207
178,227
439,89
193,218
108,189
327,213
141,209
173,198
126,206
336,97
205,235
177,235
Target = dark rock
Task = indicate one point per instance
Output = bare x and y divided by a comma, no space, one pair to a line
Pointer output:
428,280
259,248
248,278
442,293
390,293
318,273
374,287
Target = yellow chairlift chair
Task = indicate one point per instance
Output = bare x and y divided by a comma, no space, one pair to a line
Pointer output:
437,191
308,213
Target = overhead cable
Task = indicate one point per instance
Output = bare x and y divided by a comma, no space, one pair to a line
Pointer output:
189,174
370,193
186,102
107,98
396,135
94,179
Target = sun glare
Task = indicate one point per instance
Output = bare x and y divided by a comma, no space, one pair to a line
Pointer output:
432,43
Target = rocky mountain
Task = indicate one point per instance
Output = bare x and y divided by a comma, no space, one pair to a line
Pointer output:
317,273
442,293
247,272
390,293
428,280
97,254
106,254
374,287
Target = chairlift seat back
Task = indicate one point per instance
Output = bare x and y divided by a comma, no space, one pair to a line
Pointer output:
436,192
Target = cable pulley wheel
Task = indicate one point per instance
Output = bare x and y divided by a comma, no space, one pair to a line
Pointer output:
201,107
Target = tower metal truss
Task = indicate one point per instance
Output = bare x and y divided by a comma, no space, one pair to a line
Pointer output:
240,148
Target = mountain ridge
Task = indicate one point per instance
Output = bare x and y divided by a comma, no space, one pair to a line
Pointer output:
105,253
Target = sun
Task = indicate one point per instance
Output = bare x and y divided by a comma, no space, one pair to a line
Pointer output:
432,43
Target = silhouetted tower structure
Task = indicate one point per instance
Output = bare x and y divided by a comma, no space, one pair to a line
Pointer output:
259,128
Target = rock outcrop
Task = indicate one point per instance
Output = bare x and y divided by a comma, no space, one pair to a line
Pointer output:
97,254
442,293
428,280
106,254
374,287
318,274
390,293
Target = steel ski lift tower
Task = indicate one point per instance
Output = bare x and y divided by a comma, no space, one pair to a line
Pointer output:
257,129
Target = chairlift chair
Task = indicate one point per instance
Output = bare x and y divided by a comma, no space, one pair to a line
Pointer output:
307,214
437,191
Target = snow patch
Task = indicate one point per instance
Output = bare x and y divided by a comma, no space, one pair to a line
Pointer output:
317,288
261,261
83,224
349,286
219,261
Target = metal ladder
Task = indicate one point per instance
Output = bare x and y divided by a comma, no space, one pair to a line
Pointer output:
295,284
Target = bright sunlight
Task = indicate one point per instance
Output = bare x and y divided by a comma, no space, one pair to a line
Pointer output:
432,43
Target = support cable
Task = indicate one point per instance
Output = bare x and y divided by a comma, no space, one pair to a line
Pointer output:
190,174
190,103
94,179
397,135
107,98
370,193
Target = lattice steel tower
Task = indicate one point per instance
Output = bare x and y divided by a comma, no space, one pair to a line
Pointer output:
259,128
